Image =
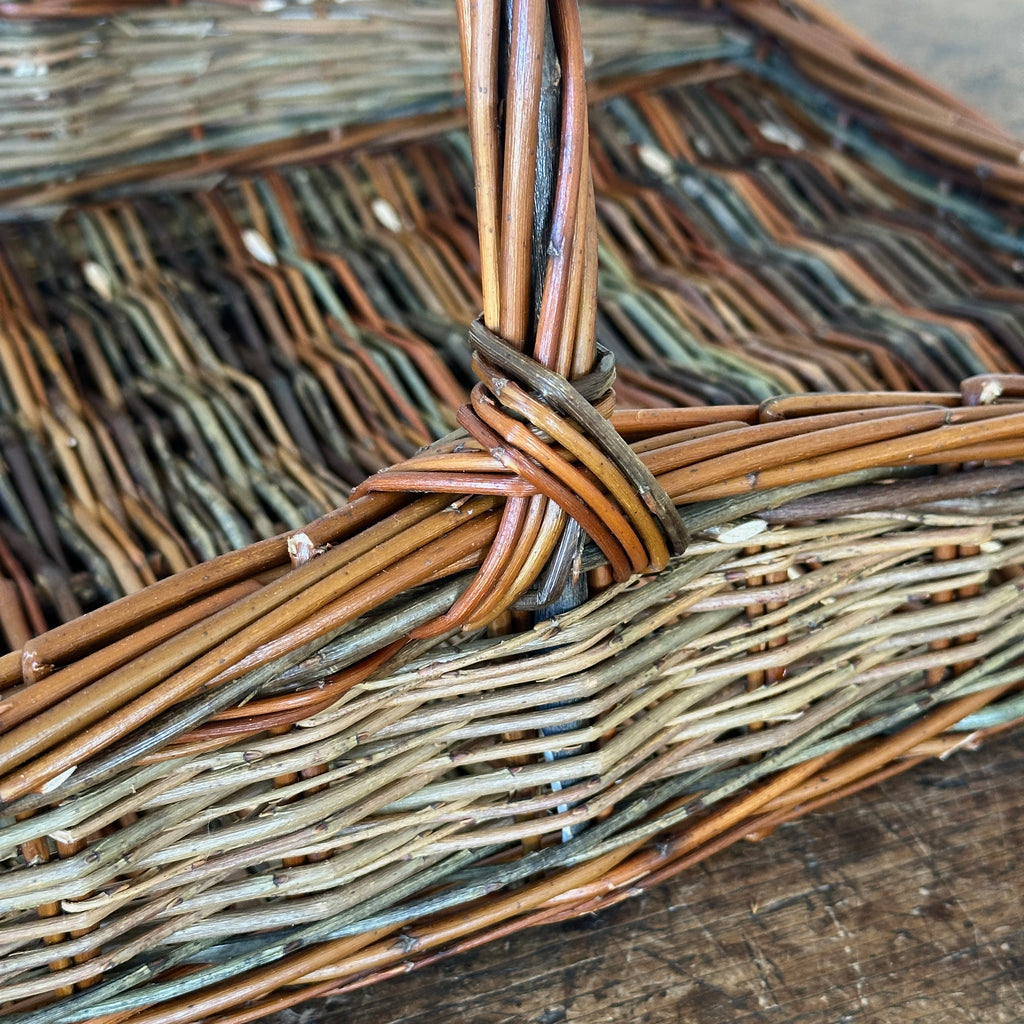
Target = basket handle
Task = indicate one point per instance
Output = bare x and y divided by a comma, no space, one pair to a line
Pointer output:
534,350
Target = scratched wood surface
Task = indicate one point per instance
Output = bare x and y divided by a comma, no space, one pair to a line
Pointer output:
903,904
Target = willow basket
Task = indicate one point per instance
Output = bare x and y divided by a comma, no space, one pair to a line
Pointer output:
335,644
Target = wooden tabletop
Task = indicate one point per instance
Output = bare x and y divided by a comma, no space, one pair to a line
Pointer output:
903,904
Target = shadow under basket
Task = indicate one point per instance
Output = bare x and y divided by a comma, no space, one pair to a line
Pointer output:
347,627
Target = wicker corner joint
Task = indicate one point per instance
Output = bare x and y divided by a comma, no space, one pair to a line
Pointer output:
335,645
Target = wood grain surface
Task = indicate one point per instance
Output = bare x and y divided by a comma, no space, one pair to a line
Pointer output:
903,904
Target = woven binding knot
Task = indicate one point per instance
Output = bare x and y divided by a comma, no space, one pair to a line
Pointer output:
532,434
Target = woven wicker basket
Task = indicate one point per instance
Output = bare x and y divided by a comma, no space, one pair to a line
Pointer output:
335,644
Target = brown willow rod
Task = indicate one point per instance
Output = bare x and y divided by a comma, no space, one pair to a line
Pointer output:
68,641
731,462
180,667
174,652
